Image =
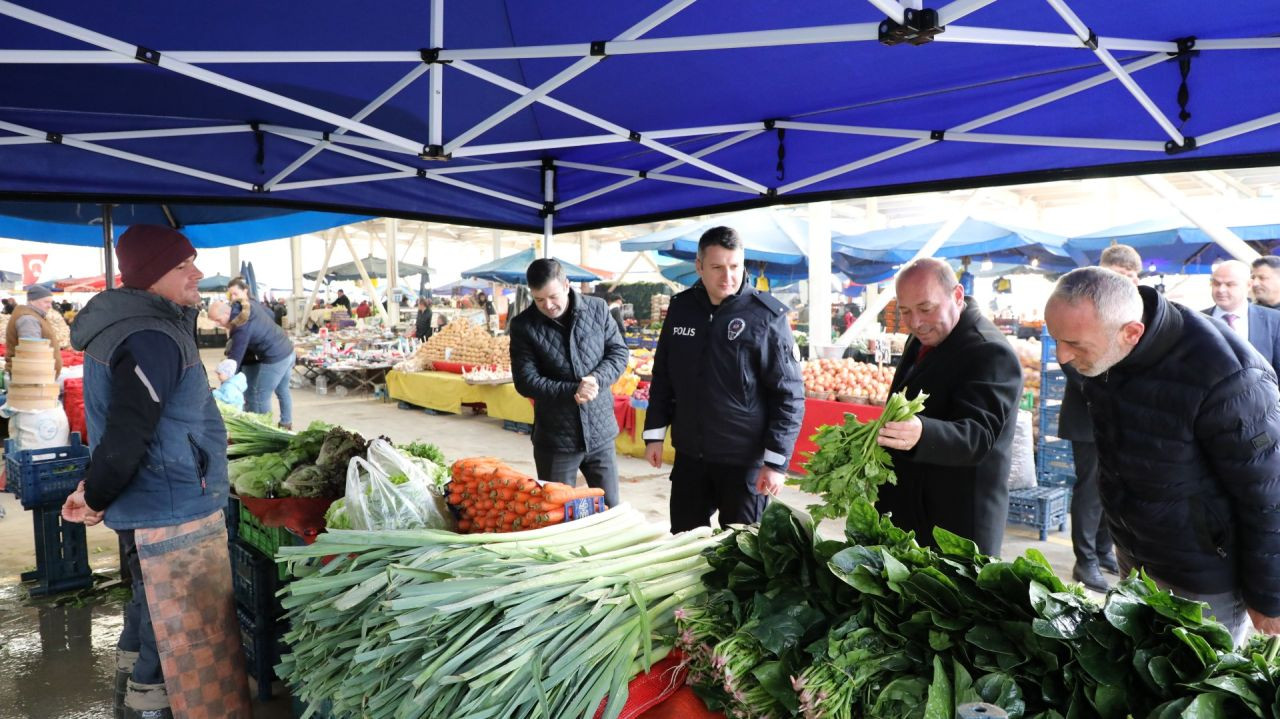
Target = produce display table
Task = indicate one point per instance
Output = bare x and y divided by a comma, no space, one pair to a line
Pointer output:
447,392
350,378
630,441
818,412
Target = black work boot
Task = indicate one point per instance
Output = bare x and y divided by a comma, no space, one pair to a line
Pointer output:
146,701
1108,563
124,668
1089,576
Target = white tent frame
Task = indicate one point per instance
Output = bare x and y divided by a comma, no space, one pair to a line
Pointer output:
350,133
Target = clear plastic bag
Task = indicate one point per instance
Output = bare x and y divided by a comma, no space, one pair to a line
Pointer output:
374,501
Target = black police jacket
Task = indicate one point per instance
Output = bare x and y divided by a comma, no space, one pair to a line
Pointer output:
727,380
547,367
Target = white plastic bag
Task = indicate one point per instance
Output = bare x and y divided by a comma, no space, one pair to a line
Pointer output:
374,501
40,429
1022,467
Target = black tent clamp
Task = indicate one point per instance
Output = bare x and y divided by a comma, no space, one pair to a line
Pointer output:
918,28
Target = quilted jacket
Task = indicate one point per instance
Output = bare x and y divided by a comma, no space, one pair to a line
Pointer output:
549,359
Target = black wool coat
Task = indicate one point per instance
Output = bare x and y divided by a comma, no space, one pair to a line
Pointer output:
956,477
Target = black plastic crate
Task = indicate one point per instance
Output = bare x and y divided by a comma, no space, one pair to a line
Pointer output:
263,643
44,477
1040,507
254,581
62,554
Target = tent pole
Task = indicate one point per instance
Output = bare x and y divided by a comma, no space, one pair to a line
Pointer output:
234,253
1220,233
297,312
549,206
435,80
630,264
819,273
108,256
364,275
882,300
330,241
657,268
393,271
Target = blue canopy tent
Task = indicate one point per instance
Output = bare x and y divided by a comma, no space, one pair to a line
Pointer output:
779,276
503,114
460,287
510,270
7,276
73,223
872,256
373,266
1169,246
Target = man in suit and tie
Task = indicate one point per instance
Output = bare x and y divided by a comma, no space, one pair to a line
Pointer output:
1259,325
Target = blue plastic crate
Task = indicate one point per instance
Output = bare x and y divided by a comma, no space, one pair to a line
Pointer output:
585,507
62,554
1049,419
517,427
44,477
1040,507
1053,384
254,581
1054,456
1056,479
263,644
1048,348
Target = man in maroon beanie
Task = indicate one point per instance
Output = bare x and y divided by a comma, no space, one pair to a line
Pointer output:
158,477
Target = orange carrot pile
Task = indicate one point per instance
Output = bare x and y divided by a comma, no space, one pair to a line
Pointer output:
493,497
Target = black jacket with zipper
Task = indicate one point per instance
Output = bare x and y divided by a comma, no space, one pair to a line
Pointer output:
1189,467
957,475
727,380
549,359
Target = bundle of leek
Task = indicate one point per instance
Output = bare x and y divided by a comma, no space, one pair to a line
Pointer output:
543,623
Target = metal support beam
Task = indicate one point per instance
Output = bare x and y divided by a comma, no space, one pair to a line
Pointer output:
819,274
393,270
364,275
330,241
1220,233
108,248
297,312
874,307
549,200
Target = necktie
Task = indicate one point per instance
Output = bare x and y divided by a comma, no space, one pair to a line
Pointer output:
1230,319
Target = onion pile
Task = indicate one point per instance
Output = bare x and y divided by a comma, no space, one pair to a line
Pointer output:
846,380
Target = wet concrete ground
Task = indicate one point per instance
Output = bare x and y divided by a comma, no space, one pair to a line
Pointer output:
57,662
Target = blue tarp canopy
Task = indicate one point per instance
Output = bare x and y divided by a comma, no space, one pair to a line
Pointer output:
686,273
460,287
700,107
1171,245
872,256
766,237
73,223
510,270
374,266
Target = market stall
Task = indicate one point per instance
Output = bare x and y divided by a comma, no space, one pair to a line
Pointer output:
449,392
349,361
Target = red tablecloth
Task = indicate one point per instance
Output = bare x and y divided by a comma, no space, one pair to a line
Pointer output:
73,405
819,412
625,414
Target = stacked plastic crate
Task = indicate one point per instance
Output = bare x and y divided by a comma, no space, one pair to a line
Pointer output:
1047,506
256,579
42,479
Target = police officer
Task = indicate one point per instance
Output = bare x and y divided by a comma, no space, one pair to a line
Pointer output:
726,378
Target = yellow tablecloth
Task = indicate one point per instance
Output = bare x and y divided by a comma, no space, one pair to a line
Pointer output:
447,392
634,446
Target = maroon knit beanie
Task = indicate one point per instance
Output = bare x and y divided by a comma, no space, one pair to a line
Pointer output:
148,252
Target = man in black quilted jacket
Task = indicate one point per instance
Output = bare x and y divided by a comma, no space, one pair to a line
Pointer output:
1186,418
565,354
